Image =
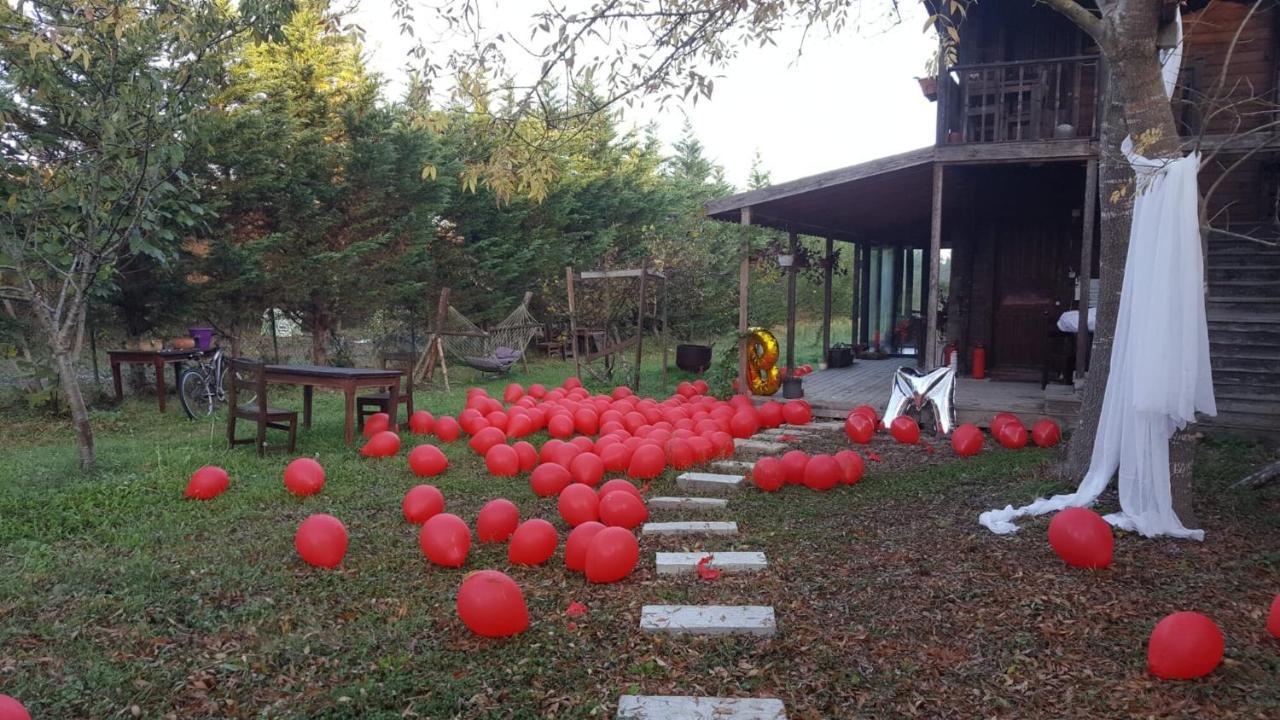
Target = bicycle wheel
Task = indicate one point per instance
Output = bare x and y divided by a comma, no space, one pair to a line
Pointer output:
246,397
194,392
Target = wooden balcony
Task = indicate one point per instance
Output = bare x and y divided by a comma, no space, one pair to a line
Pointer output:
1024,101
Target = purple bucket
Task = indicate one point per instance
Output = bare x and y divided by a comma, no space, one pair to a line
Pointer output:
203,336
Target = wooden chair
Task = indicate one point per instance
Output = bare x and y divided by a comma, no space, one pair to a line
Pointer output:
245,377
377,402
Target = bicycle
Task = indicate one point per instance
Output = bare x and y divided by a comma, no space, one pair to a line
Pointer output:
202,387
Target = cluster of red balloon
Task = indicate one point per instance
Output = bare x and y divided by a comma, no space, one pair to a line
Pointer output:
797,372
819,472
861,424
1009,431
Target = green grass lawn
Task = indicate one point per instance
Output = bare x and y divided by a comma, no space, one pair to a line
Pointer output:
119,598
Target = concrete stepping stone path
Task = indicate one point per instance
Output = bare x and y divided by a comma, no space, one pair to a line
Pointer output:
687,503
709,482
678,707
759,447
737,465
678,563
709,620
696,527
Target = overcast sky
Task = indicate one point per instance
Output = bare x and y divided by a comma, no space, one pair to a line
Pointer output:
845,100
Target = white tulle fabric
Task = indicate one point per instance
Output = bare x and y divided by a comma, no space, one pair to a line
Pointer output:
1160,375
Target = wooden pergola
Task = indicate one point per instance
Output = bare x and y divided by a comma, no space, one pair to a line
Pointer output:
642,276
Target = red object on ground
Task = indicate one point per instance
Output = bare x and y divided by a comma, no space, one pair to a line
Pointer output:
705,571
822,473
445,539
1081,538
497,520
447,429
321,540
1273,620
859,427
549,479
422,423
384,444
870,412
533,542
11,709
587,468
622,509
1184,646
978,362
905,430
486,438
852,466
376,423
575,547
612,554
770,414
427,461
304,477
490,604
768,474
793,465
422,503
578,503
1013,435
618,484
1045,433
207,483
502,461
967,440
648,461
797,412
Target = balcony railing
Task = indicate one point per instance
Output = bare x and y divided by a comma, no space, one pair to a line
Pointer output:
1030,100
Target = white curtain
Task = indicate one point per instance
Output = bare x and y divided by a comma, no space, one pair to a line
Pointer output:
1160,374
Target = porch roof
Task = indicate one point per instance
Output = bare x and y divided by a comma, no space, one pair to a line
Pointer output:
886,196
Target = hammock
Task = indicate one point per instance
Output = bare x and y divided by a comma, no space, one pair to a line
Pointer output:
496,350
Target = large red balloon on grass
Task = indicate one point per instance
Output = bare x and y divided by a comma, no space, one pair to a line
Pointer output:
421,503
549,479
486,438
793,464
1045,433
1012,435
822,473
769,474
1081,538
859,428
527,454
587,468
303,477
11,709
612,554
208,482
490,604
851,466
905,430
375,424
621,485
421,423
967,440
502,460
648,461
797,412
497,520
575,547
770,414
744,423
1000,420
445,540
321,540
1184,646
427,461
868,412
447,429
1273,619
622,509
578,503
383,444
533,542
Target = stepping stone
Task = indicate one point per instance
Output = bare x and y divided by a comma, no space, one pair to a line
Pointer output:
709,482
708,620
740,465
761,447
689,528
817,425
678,707
731,562
770,433
687,503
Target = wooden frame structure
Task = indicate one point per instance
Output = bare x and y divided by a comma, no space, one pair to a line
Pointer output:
642,275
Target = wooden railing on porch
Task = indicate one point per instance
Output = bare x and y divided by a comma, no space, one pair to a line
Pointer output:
1029,100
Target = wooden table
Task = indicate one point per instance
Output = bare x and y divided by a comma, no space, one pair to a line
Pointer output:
154,358
349,380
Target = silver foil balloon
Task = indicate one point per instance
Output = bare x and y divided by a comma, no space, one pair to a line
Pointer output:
913,392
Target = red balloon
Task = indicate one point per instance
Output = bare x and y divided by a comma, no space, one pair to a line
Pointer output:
533,542
376,423
822,473
560,426
486,438
797,412
680,454
859,427
616,457
575,548
1000,420
427,461
549,479
686,389
586,421
744,423
622,509
447,429
383,444
1184,646
769,474
571,382
422,503
1081,538
537,391
422,423
647,462
851,466
1273,620
578,504
527,455
490,604
793,465
1045,433
967,440
11,709
303,477
502,461
701,386
445,539
497,520
587,469
905,430
611,554
208,482
618,484
512,393
770,414
1012,435
321,540
869,412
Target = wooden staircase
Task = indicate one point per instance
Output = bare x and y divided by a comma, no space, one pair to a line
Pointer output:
1244,333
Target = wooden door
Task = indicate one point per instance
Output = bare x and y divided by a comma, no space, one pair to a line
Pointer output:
1030,269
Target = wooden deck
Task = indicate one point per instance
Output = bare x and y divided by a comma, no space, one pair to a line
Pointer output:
834,392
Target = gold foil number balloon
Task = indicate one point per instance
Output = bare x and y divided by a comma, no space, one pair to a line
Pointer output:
762,356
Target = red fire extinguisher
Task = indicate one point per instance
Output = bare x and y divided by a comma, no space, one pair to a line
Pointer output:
978,362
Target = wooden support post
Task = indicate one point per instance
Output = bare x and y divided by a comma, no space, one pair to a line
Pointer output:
826,300
644,272
791,305
744,278
573,322
864,298
1086,263
853,294
275,341
935,266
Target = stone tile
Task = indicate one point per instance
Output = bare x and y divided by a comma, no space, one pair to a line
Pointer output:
677,707
687,503
709,482
696,527
709,620
669,563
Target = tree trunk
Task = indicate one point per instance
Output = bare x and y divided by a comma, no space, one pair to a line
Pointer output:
65,361
319,329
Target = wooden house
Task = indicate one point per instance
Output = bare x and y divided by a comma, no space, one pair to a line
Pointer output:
1008,194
